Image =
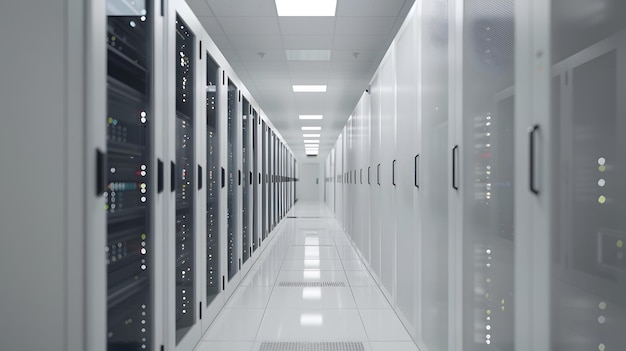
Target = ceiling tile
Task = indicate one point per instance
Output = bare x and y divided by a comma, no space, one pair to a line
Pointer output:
260,56
364,25
307,77
200,7
308,65
348,55
211,25
222,42
319,42
243,7
352,8
260,65
269,75
266,42
253,26
365,42
316,26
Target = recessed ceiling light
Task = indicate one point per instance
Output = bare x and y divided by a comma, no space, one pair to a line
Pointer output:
311,116
309,88
310,135
311,141
306,7
311,128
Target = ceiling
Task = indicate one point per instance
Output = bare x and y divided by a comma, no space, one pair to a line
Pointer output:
255,40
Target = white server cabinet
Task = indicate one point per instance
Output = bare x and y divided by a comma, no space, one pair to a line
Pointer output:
388,164
375,190
433,177
409,138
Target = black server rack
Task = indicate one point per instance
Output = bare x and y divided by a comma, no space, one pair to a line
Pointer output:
129,191
213,183
184,179
233,264
264,224
256,181
246,182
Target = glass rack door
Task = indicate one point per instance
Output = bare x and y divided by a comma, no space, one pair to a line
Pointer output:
129,249
213,183
488,175
246,247
233,191
185,180
588,275
256,179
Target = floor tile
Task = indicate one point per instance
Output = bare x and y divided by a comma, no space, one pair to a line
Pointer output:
383,325
311,298
353,265
235,325
250,297
369,298
360,278
312,264
312,325
312,276
260,278
224,346
321,252
395,346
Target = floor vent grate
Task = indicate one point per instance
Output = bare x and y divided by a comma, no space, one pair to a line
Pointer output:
312,284
311,346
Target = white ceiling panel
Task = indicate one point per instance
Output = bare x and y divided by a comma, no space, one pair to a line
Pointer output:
250,25
364,25
349,55
259,56
243,7
222,42
212,26
200,7
308,65
362,42
360,8
261,65
316,42
305,26
265,42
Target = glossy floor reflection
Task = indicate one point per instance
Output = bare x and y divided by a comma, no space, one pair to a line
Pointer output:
308,285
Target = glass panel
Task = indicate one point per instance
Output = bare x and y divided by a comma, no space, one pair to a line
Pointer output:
264,181
488,252
255,181
185,180
129,180
213,185
434,304
245,179
233,240
589,268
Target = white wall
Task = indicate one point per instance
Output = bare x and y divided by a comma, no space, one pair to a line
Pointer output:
308,190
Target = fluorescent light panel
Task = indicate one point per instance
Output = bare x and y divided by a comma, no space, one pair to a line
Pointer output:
311,135
309,88
311,128
306,7
312,141
311,117
308,55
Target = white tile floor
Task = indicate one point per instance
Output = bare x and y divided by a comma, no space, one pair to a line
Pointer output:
310,248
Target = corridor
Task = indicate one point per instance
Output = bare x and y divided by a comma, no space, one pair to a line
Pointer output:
309,290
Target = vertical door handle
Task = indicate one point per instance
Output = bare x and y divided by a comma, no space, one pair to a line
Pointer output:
101,173
368,175
199,177
455,150
361,176
223,177
172,176
239,176
532,159
393,172
251,177
416,171
259,178
378,174
160,174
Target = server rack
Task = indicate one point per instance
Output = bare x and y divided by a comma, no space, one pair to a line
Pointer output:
213,241
130,180
234,182
246,181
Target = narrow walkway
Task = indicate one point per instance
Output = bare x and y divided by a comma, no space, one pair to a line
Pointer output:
309,285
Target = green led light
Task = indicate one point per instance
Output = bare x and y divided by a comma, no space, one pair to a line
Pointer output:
602,199
602,168
143,236
620,243
110,120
